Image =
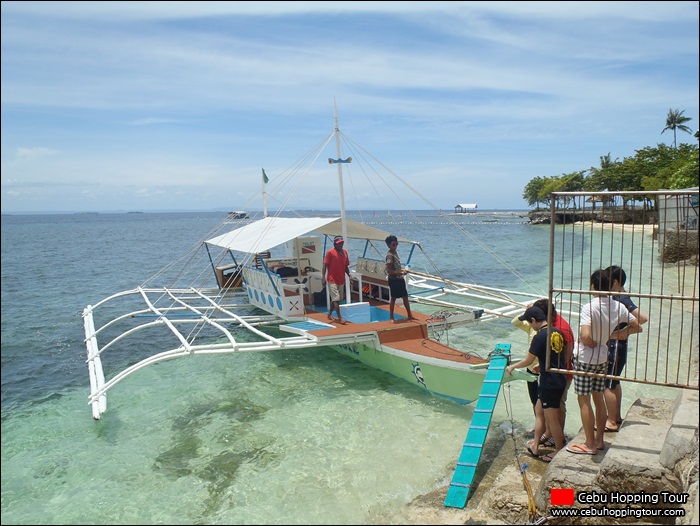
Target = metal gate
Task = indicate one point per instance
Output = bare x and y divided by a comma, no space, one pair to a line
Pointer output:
653,236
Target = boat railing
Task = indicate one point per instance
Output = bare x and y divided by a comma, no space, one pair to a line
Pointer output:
372,268
274,294
370,278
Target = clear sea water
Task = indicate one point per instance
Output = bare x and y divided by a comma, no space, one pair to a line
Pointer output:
290,437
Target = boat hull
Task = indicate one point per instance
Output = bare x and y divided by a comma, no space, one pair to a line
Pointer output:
460,383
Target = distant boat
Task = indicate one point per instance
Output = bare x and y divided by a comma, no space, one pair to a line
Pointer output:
238,214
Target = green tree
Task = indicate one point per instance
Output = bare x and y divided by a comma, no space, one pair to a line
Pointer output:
685,172
532,190
573,182
657,165
676,120
552,184
598,178
650,169
606,162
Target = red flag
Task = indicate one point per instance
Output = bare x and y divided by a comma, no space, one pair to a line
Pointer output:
561,496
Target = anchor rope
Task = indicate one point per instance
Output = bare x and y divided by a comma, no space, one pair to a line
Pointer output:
533,516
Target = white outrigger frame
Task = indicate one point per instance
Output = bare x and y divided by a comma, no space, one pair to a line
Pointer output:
194,308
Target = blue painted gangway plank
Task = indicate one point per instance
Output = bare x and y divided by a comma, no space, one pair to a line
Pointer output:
458,492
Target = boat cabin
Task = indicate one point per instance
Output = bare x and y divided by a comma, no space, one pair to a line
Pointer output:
285,285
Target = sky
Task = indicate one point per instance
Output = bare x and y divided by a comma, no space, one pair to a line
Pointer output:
166,106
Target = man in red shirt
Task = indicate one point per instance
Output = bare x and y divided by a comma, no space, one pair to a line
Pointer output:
336,265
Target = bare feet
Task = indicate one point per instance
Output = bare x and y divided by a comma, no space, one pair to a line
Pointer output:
341,322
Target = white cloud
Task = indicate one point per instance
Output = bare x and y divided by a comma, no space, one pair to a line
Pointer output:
26,154
127,95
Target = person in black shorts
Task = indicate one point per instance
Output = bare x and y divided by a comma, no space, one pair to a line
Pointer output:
551,385
395,276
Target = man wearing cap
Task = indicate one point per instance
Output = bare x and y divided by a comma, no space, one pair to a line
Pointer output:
551,385
336,265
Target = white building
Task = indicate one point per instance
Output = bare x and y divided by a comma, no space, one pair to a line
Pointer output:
465,208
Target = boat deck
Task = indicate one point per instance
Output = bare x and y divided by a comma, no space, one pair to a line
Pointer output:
410,336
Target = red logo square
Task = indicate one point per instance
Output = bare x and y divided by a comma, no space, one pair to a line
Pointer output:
561,496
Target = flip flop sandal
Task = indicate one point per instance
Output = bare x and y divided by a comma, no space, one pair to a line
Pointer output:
547,441
529,449
547,458
578,449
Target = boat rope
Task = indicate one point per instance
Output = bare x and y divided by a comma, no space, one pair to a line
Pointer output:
447,351
361,156
438,324
533,516
499,295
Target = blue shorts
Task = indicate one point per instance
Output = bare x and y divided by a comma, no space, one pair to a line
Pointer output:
617,358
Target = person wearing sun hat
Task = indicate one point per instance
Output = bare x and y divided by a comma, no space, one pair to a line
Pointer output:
336,264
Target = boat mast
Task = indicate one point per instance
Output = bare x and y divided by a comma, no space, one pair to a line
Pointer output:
340,163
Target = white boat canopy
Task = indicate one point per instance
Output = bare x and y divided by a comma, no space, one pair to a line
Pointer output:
271,232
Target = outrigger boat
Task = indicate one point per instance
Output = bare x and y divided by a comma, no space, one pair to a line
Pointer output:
263,292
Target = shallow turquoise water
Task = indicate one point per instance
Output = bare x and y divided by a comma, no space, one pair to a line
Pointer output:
292,437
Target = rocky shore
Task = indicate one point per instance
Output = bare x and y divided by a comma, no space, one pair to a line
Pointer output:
655,450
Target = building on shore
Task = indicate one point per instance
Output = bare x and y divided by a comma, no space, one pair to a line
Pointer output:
469,208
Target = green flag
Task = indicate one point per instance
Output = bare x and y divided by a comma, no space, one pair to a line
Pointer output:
265,179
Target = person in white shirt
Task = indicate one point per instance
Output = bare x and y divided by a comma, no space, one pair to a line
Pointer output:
598,320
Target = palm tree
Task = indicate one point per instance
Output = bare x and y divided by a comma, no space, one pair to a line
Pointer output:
675,119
